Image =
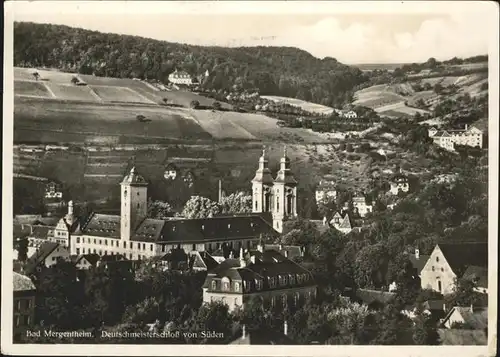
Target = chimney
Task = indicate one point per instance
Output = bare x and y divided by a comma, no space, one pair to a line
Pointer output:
260,246
280,246
285,328
243,262
471,308
286,253
243,331
466,127
70,208
220,191
417,253
324,221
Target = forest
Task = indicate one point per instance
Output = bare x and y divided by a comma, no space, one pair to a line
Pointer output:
283,71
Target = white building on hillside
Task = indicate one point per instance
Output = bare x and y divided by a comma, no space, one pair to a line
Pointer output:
473,136
180,77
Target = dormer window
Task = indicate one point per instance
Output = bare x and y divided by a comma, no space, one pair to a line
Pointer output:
237,287
226,284
214,285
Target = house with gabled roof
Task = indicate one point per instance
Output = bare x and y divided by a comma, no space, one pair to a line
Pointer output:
85,261
449,261
342,224
48,254
469,317
23,304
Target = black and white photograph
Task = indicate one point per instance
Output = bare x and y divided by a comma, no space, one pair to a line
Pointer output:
313,175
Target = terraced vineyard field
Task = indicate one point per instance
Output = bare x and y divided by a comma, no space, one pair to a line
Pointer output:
77,119
119,94
310,107
72,92
31,88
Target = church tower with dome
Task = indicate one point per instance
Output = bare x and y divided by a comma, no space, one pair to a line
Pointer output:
277,196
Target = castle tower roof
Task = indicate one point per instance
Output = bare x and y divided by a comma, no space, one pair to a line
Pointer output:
285,174
134,178
263,173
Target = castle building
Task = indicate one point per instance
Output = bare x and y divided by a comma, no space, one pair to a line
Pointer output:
261,274
279,195
135,236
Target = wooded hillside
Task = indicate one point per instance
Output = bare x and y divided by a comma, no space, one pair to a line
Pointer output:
281,71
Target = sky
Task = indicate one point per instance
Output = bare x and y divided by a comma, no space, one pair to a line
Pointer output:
351,34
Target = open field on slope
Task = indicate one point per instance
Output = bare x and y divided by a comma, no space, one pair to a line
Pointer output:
311,107
119,94
30,88
222,125
44,119
72,92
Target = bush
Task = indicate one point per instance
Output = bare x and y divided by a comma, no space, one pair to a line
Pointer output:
216,105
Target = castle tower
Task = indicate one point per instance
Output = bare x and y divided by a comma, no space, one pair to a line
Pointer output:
285,194
134,199
262,186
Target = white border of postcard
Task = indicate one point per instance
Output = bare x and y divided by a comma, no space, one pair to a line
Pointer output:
490,11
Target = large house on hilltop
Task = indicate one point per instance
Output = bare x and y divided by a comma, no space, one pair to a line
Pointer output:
180,77
449,262
474,136
135,236
262,274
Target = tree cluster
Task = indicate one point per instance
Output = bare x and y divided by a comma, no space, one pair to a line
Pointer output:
284,71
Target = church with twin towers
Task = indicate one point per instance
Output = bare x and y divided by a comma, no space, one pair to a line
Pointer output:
136,236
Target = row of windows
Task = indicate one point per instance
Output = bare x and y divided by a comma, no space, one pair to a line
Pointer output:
115,243
23,304
283,299
22,320
281,280
100,252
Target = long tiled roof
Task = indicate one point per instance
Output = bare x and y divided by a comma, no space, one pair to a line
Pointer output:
269,263
215,229
22,282
461,255
102,225
291,251
183,230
